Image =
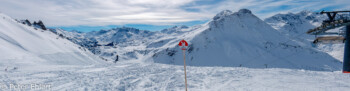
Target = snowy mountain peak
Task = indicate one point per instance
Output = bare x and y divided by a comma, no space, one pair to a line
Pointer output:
183,26
295,23
228,13
174,29
306,12
241,20
241,38
179,27
115,31
75,31
245,11
222,14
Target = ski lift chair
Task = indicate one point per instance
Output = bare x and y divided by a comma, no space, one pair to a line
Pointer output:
330,39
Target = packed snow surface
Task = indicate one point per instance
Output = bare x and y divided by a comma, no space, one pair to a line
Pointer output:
138,76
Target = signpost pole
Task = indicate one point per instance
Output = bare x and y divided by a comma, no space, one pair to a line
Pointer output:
346,61
184,51
183,44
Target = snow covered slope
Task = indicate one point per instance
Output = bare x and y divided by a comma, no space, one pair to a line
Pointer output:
295,25
22,45
126,76
242,39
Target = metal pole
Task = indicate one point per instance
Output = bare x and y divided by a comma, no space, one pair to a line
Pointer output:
184,51
346,61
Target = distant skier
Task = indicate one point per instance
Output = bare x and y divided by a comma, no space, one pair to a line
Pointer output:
117,58
6,68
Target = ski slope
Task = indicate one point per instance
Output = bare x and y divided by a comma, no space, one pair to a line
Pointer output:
139,76
23,47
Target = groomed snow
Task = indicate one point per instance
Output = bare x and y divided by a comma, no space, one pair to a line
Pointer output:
136,76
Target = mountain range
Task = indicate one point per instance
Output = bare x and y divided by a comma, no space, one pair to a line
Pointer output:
229,39
232,39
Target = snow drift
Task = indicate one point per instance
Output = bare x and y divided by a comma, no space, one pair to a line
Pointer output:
242,39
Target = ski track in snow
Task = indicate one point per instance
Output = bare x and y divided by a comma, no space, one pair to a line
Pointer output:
136,76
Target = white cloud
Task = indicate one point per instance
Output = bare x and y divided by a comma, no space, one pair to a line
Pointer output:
267,8
154,12
97,12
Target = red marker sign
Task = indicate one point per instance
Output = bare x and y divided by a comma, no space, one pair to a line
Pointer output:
183,44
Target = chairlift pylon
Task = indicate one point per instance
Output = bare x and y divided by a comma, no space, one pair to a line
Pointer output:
331,24
328,25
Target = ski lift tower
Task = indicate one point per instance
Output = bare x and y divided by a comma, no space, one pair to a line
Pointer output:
332,23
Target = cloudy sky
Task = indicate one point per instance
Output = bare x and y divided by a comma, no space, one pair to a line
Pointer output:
87,15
